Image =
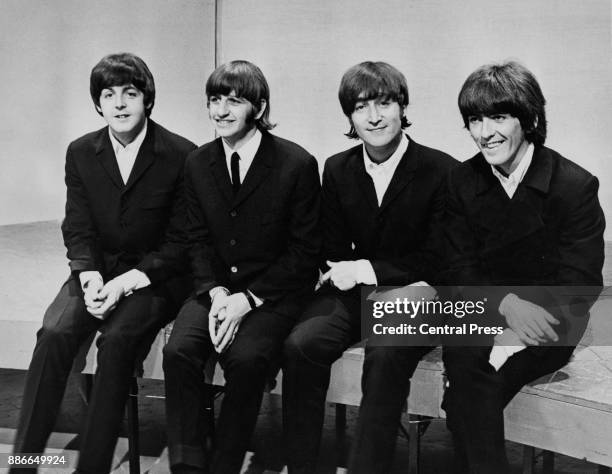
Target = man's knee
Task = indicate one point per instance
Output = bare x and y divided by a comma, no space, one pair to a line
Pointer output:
306,345
57,336
249,363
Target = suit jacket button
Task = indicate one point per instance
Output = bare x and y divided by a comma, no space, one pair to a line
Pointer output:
234,269
233,213
232,242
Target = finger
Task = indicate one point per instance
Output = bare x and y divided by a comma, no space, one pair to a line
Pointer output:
95,314
526,338
221,331
212,329
326,276
533,330
218,303
550,318
549,332
229,335
92,302
331,264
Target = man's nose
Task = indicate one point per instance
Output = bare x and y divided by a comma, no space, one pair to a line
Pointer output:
222,108
373,113
119,101
487,129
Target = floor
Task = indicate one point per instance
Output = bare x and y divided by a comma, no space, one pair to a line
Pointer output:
265,455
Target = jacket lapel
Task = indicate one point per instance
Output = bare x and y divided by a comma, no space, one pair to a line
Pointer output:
363,180
505,221
404,174
106,157
260,167
218,168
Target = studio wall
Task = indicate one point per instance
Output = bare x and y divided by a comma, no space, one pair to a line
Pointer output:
303,47
46,55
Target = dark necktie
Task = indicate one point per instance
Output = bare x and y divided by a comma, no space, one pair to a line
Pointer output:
235,167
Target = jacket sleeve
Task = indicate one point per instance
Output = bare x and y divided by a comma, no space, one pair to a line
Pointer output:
337,241
78,229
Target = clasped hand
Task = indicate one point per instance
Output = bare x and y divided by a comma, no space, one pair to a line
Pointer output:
531,323
226,314
342,275
101,299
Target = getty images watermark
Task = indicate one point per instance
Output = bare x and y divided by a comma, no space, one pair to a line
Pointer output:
420,315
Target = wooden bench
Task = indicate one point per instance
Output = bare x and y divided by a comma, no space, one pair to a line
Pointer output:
569,412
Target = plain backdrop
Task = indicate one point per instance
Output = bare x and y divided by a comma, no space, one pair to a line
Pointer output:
303,47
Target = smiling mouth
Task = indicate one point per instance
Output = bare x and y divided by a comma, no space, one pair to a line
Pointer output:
122,116
224,121
492,145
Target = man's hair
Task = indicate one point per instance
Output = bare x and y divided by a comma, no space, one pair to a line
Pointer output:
508,88
121,69
372,80
247,81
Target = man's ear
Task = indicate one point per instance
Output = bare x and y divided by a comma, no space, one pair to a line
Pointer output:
262,108
98,109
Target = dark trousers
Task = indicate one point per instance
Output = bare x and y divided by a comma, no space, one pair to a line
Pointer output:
246,365
126,333
476,397
330,325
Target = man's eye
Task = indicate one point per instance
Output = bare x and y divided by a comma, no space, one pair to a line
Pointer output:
359,107
474,119
499,117
234,101
384,103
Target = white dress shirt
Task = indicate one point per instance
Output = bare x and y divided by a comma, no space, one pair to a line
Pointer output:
511,182
382,173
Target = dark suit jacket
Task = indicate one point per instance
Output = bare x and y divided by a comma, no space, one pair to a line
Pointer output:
111,227
263,239
550,233
402,238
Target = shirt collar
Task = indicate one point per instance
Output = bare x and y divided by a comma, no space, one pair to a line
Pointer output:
133,145
391,163
519,173
247,151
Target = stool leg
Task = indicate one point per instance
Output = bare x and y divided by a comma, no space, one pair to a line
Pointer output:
132,414
414,444
340,420
528,459
548,462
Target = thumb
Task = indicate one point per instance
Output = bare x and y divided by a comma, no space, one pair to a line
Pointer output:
331,264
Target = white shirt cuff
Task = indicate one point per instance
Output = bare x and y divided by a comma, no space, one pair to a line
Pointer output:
132,280
216,290
86,277
365,273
